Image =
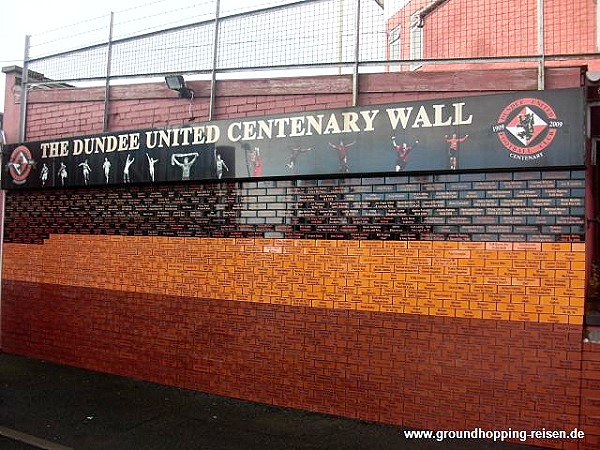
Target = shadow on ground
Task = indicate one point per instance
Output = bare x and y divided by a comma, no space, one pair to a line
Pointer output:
89,410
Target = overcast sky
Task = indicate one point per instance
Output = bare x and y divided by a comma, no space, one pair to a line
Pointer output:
45,20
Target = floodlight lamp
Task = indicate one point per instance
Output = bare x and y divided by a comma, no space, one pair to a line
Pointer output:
177,83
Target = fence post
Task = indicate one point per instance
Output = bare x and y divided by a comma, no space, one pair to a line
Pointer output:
108,69
356,57
213,80
24,87
540,47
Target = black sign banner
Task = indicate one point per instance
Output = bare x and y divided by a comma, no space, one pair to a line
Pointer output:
525,129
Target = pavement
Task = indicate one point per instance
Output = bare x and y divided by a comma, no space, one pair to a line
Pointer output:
55,407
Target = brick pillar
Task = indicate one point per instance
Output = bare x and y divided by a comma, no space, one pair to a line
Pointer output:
12,102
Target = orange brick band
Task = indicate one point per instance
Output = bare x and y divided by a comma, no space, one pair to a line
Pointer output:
533,282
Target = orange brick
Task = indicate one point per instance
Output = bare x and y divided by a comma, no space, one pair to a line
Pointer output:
334,297
430,303
382,283
557,265
556,282
447,312
556,247
576,301
418,277
469,313
429,270
498,298
458,288
510,307
470,279
345,305
322,304
526,299
367,307
382,300
404,301
407,252
405,284
498,245
484,254
430,286
554,300
485,288
446,244
456,304
578,247
445,262
392,309
533,290
484,271
522,281
539,273
554,318
389,292
457,270
405,268
569,292
384,251
498,263
416,310
487,306
370,275
576,265
356,298
524,317
504,254
539,309
471,245
371,244
570,256
524,264
457,254
418,294
568,310
469,296
535,246
541,256
416,244
358,251
496,315
473,262
505,281
449,279
431,253
571,274
575,320
368,291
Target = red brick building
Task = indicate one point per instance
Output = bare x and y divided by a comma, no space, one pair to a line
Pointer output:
469,29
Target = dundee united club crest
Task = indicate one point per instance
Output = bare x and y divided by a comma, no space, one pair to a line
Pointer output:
20,164
526,127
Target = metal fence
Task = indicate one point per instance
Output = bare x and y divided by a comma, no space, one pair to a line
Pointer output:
292,35
217,38
206,36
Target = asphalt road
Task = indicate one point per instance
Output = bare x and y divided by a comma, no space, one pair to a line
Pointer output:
62,407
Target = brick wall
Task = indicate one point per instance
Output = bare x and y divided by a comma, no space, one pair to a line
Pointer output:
440,301
501,28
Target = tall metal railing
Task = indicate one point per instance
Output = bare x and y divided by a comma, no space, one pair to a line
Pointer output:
213,39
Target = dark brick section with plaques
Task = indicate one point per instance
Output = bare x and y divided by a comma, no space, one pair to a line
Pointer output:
533,206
